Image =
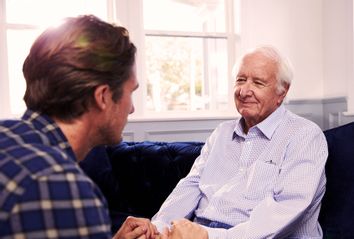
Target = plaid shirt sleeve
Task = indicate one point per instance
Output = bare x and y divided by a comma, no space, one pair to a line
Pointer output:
60,202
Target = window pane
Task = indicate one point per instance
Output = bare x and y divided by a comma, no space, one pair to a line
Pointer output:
18,43
180,76
39,13
217,73
184,15
50,11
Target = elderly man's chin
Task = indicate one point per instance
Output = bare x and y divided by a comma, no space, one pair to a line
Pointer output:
246,111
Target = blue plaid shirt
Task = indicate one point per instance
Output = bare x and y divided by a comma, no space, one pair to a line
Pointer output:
43,191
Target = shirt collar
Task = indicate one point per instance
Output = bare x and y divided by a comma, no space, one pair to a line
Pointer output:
267,126
48,127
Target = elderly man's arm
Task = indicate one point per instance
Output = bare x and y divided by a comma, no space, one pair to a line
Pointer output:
184,199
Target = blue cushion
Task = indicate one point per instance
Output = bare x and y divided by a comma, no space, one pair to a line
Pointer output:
337,211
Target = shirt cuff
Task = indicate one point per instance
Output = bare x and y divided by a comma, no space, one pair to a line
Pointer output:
161,225
216,233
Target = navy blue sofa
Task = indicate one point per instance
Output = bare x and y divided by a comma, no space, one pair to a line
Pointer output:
136,177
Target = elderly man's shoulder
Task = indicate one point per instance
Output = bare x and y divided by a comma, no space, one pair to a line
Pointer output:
227,124
298,122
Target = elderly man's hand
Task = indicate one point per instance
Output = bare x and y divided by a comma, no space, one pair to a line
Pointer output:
185,229
136,228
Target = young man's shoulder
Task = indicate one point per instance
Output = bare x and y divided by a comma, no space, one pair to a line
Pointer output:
28,153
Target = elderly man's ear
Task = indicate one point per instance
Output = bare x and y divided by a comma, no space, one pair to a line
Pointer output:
283,94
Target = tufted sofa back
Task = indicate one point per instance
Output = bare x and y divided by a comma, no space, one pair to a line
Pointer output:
136,177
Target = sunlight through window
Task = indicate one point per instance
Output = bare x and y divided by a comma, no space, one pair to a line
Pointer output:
186,60
24,25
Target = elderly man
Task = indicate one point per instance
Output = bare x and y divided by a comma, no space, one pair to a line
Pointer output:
259,176
80,78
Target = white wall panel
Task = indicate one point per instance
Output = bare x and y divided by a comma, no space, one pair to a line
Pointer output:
295,28
179,135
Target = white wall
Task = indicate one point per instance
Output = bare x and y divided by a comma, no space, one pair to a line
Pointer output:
337,41
295,27
338,50
170,130
317,36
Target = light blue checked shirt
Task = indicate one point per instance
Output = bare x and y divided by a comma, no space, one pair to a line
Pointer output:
266,184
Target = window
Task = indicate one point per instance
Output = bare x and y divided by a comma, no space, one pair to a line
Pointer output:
188,50
21,26
187,56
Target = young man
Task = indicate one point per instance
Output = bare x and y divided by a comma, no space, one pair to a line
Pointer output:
259,176
80,78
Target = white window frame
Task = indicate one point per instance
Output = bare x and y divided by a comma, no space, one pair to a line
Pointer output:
129,14
134,23
4,83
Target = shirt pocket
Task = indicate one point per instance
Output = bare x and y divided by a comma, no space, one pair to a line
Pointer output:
261,180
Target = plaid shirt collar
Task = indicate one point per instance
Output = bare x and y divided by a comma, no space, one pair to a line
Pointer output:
48,127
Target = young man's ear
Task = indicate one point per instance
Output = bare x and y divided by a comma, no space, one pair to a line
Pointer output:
102,96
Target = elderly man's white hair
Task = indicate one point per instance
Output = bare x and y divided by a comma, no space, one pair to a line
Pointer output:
285,70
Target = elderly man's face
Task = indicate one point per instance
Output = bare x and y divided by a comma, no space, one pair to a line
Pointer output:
256,95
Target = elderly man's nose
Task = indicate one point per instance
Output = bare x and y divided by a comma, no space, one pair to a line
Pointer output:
245,90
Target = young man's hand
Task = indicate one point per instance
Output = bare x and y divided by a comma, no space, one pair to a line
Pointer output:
136,228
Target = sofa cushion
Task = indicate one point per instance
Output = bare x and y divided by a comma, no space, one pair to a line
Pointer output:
337,211
148,171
